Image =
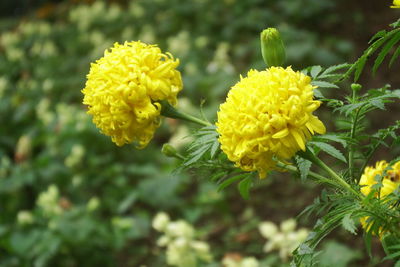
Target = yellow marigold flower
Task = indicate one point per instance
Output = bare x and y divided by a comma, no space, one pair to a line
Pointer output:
389,183
396,4
124,87
266,114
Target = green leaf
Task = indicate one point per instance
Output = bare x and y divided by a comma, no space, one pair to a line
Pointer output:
127,202
214,149
359,65
348,224
377,36
333,138
333,69
395,56
385,50
218,175
378,103
304,167
324,84
230,180
318,94
368,243
330,150
244,187
315,70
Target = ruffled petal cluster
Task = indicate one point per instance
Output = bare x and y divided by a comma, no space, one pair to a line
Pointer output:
267,114
389,182
124,87
396,4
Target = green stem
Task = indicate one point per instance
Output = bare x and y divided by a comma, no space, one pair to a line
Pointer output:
169,111
351,147
314,175
333,174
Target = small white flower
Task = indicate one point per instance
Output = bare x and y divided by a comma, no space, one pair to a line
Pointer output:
25,217
288,225
160,221
268,229
180,229
250,262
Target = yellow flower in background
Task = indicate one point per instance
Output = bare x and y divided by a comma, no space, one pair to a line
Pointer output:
396,4
124,87
266,114
389,182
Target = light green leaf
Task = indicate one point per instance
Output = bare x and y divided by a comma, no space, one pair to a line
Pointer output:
330,150
304,167
348,224
324,84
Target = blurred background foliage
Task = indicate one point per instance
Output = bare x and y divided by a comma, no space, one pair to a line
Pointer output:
70,197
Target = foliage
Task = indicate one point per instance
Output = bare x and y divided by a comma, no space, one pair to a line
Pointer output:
67,192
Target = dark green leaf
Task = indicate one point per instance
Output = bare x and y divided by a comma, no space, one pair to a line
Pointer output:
244,187
230,180
385,50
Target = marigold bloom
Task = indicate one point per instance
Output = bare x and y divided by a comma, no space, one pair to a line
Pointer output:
266,114
124,87
389,183
396,4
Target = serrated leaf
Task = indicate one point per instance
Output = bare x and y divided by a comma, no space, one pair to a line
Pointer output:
315,70
331,150
304,249
195,156
244,187
332,137
318,94
347,109
335,68
304,167
378,103
348,224
385,50
324,84
359,67
214,149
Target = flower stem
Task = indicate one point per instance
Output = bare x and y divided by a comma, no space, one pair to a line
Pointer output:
335,177
169,111
314,175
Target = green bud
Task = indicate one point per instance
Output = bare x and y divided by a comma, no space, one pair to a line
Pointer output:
169,150
356,87
272,47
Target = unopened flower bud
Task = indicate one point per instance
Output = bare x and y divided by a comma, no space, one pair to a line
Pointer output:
272,48
356,87
168,150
